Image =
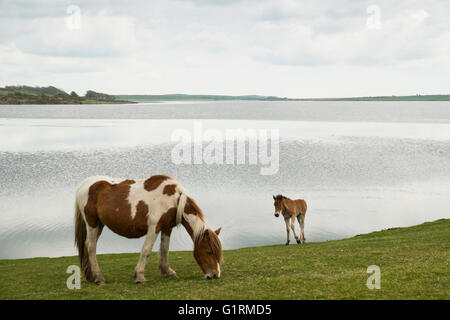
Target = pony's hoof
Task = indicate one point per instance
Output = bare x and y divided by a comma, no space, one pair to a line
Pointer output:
139,278
287,243
171,274
299,241
140,281
99,280
168,272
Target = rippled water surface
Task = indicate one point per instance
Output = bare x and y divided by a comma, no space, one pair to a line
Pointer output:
361,167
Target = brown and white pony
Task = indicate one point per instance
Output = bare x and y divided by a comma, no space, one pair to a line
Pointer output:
291,209
136,208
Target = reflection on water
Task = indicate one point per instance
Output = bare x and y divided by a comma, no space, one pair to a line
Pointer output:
356,178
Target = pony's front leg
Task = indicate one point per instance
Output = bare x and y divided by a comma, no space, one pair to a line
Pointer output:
293,229
150,239
287,230
164,255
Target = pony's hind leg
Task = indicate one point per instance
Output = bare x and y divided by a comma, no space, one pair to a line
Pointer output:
301,221
92,236
164,255
146,250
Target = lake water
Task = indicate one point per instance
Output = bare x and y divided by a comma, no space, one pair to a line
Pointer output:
361,166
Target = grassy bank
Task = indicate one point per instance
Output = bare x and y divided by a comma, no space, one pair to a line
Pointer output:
414,264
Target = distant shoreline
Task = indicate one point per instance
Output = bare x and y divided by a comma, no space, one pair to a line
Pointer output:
26,95
437,97
188,97
197,97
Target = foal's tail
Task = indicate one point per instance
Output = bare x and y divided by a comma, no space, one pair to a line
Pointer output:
80,239
181,204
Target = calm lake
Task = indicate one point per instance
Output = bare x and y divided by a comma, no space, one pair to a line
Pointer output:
361,167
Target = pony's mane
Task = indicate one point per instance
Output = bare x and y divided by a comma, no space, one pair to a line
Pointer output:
214,241
195,208
281,197
200,228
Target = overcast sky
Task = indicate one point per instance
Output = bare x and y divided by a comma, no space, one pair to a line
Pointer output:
293,48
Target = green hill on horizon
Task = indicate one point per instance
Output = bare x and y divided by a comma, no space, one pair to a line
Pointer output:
196,97
52,95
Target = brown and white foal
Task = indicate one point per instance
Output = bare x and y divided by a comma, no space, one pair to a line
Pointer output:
291,209
136,208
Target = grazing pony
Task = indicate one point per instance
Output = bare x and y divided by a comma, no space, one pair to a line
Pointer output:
136,208
291,209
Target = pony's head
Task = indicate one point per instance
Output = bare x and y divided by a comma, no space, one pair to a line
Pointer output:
278,204
208,253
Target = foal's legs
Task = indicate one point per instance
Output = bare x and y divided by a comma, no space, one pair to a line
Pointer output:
146,250
286,220
293,228
164,255
301,221
92,235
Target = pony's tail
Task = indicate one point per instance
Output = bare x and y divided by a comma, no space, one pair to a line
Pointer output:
181,204
80,240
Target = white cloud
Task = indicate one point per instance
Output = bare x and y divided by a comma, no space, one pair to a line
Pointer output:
419,15
99,35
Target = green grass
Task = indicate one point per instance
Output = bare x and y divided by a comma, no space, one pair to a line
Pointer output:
414,264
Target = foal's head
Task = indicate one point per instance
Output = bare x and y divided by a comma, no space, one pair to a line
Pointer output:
208,253
278,204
